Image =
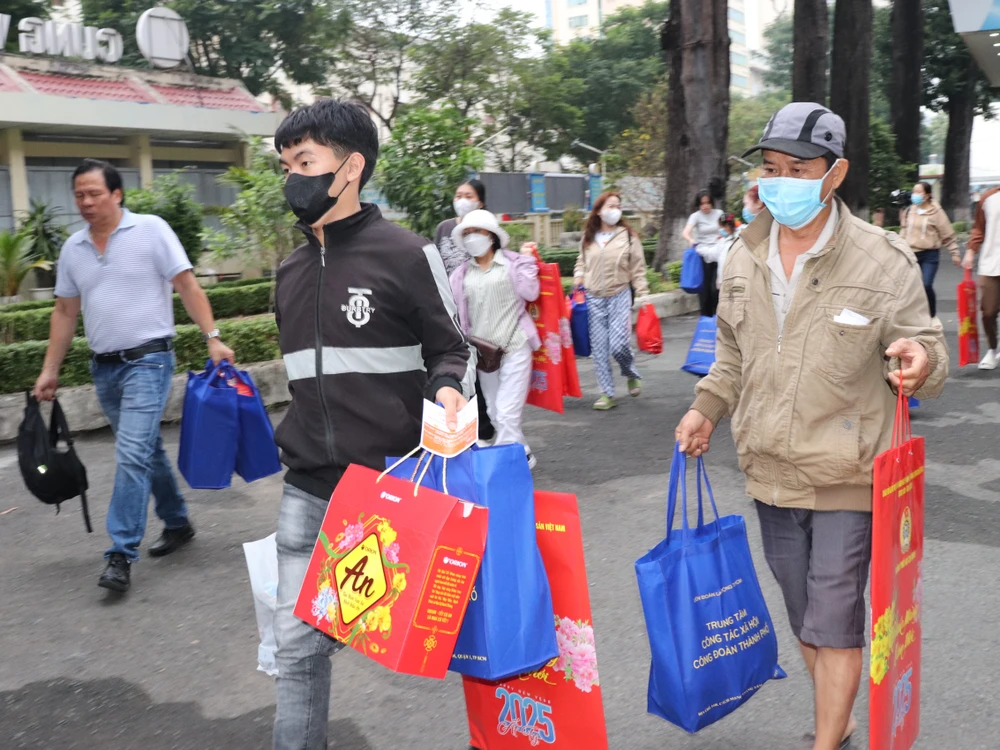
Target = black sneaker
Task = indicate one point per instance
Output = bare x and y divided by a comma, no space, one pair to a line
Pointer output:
171,540
117,576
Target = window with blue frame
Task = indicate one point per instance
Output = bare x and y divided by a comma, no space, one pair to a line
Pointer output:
736,15
739,82
738,58
577,22
738,37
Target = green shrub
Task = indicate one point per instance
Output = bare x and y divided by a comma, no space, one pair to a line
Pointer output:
241,282
960,226
572,219
674,272
519,234
565,257
174,202
253,340
891,229
227,302
36,304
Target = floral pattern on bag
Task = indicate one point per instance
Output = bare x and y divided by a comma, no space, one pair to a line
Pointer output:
577,658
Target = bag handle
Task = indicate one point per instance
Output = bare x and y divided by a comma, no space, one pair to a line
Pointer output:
59,426
902,431
425,454
678,480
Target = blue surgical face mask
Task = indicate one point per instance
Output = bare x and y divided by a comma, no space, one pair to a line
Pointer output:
793,202
916,198
748,215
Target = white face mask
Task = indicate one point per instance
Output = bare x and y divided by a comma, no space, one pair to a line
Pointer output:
611,216
463,206
477,245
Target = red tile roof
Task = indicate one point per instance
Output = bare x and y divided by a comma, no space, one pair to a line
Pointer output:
210,99
86,88
7,83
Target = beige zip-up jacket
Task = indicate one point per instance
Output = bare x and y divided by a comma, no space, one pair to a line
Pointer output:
928,227
608,271
812,408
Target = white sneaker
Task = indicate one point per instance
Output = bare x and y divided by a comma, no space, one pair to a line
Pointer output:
532,461
487,443
936,323
990,361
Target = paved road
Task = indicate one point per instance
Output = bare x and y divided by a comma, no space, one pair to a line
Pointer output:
172,666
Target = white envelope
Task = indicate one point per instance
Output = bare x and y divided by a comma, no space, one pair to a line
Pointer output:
851,318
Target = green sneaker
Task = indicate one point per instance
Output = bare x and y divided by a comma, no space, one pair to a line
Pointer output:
604,403
634,387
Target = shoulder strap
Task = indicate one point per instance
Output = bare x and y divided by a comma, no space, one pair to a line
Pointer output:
86,512
58,427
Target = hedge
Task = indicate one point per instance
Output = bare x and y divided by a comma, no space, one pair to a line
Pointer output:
253,340
227,302
241,282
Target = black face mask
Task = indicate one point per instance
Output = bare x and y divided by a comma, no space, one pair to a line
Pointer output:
309,197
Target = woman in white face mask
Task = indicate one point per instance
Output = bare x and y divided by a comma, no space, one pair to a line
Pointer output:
610,267
492,288
469,196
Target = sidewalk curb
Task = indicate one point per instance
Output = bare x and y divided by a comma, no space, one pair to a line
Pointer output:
83,412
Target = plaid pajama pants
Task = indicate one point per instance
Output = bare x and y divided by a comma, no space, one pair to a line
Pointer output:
610,321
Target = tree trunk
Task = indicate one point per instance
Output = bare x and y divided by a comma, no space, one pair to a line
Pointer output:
811,27
695,41
957,148
850,95
907,83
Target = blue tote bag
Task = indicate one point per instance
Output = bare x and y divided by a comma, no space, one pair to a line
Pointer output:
701,355
692,272
712,640
509,626
579,325
210,428
256,451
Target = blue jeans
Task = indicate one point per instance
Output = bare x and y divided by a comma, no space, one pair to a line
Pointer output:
929,260
133,396
303,653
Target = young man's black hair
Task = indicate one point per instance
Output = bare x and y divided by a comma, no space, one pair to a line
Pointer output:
345,127
112,177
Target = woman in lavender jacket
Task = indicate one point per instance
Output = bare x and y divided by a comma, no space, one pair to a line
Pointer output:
492,288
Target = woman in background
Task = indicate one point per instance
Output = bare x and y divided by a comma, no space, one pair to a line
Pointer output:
926,229
610,265
703,228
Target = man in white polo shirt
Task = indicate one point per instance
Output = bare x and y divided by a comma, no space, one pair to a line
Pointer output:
121,270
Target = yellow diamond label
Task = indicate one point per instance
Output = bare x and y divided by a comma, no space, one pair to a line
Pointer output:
360,579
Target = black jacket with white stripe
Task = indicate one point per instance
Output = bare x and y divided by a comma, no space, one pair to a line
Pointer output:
367,329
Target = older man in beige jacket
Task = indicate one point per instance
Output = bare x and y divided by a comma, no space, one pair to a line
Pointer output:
821,317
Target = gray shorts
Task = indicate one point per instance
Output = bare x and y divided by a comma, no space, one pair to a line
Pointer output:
820,559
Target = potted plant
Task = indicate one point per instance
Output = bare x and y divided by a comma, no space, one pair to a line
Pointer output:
42,224
17,259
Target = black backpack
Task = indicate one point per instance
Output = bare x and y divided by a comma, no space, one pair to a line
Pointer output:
52,474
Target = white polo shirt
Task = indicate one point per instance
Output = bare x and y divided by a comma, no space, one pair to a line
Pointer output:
125,292
782,287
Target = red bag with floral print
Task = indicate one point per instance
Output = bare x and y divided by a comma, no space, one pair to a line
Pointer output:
560,705
548,375
392,571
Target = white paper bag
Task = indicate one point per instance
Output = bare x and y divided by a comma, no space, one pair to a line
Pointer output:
262,562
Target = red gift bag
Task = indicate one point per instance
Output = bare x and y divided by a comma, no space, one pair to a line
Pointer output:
392,571
968,312
896,589
560,705
647,330
571,378
547,369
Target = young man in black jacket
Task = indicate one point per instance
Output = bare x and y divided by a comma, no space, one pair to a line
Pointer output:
367,329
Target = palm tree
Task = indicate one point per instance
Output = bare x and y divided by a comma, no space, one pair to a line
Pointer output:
42,223
17,258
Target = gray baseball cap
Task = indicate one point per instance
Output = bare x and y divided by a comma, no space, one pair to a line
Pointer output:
805,130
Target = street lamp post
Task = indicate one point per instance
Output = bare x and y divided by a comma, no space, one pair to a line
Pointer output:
603,154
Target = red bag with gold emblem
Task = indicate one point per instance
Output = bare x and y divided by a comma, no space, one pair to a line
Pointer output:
968,312
392,571
896,589
560,705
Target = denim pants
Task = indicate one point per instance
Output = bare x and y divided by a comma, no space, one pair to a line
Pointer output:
929,260
303,653
133,396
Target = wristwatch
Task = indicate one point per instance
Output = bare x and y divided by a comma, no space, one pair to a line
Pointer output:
213,334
